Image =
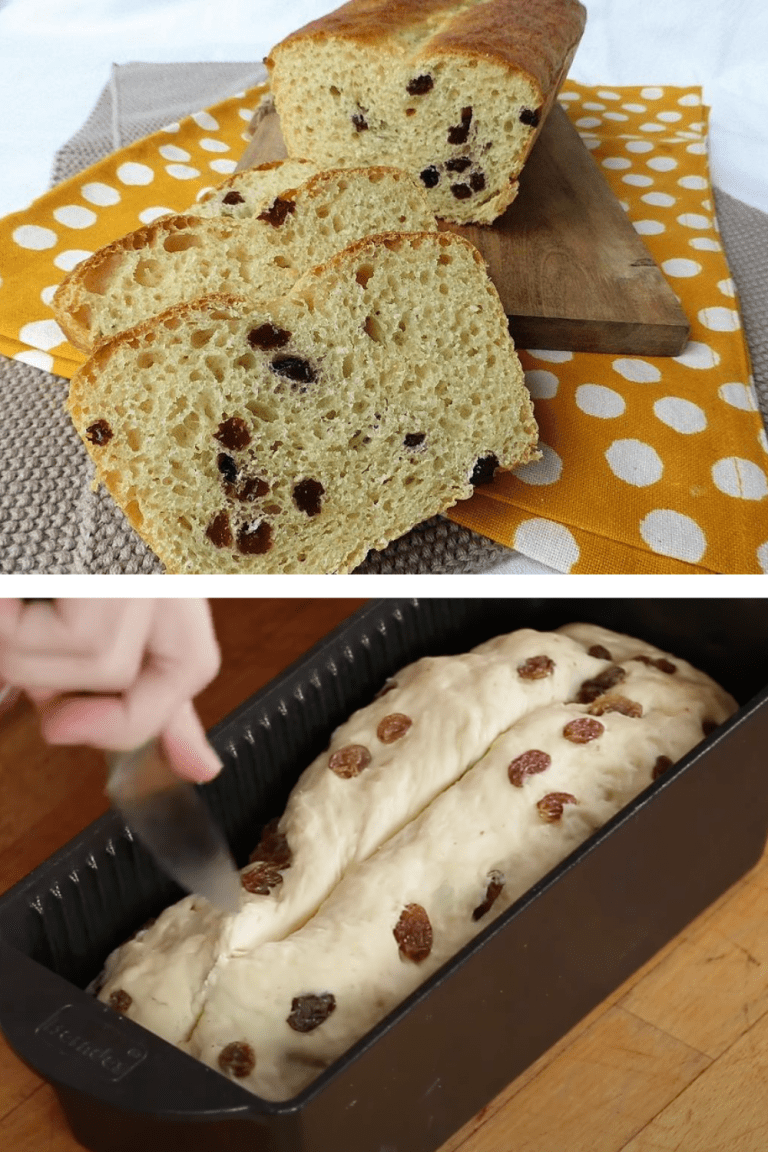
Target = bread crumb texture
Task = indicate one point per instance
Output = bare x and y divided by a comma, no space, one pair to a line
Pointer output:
254,235
454,93
297,436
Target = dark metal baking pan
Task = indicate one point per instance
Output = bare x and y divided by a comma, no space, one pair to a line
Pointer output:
488,1013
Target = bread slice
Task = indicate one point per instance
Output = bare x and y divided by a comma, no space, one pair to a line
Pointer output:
456,93
181,258
295,437
248,193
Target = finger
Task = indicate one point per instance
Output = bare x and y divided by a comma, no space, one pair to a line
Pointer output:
118,723
182,658
8,697
81,645
188,751
183,646
55,625
10,610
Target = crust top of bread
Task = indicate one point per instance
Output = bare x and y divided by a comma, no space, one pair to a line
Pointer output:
528,37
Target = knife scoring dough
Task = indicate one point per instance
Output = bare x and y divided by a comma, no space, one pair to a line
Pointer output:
547,734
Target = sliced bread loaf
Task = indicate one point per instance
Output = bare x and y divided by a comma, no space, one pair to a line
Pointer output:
455,92
295,437
181,258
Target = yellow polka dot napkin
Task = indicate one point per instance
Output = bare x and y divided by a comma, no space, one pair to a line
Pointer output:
162,173
649,465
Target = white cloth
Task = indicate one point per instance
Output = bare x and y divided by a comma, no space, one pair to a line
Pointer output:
55,58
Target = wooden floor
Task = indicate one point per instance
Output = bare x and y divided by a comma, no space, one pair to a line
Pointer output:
675,1061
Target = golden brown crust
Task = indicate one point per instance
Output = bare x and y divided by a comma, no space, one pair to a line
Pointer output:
522,35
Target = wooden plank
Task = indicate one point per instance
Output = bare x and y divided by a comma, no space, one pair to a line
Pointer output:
715,984
725,1110
570,269
622,1070
494,1113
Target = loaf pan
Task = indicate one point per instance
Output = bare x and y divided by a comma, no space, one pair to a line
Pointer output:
477,1023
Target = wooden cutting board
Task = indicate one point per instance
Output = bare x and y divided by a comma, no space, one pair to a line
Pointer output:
570,269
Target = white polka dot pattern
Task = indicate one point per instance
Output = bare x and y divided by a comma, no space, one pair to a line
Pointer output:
182,171
554,357
42,334
674,534
205,120
682,415
34,237
680,267
635,462
739,396
70,258
37,359
171,152
102,195
698,355
74,216
740,478
548,542
649,227
148,215
598,401
720,319
544,471
639,371
132,173
542,385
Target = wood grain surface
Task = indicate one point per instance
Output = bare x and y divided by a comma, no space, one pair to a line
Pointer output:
676,1060
569,268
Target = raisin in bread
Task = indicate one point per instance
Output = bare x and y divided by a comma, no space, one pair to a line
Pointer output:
297,436
260,250
597,717
456,93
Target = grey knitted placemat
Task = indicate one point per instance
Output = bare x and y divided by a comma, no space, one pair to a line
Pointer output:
50,519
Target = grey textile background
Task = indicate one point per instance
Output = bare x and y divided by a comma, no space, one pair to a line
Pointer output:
51,521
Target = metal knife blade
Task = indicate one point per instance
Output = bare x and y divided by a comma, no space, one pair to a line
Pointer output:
171,820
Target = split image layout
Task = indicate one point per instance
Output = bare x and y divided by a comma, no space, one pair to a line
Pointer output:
326,824
435,288
382,873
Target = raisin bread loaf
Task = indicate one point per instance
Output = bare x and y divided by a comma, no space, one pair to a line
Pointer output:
455,92
596,717
296,437
257,250
383,766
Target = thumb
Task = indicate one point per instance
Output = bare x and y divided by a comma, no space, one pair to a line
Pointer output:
188,751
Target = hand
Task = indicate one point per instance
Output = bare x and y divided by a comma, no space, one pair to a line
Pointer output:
140,662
